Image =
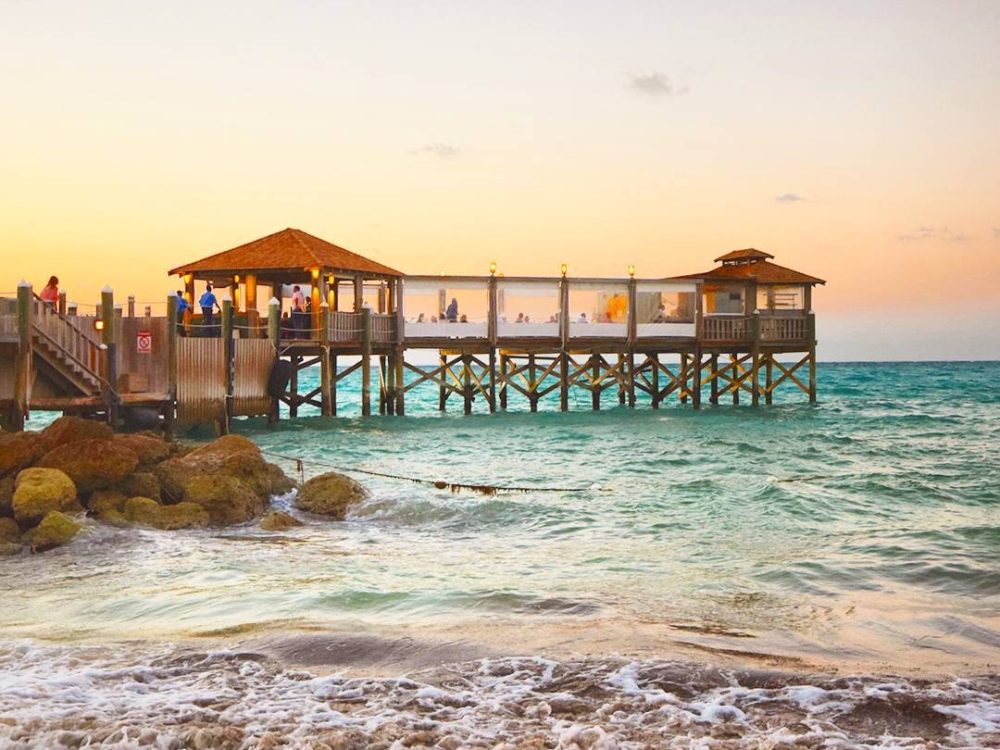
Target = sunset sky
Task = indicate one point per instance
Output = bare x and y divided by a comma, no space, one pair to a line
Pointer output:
857,140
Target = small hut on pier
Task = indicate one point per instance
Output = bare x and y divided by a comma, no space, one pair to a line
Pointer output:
748,282
326,272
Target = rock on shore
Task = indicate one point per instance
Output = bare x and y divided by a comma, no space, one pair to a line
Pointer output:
50,478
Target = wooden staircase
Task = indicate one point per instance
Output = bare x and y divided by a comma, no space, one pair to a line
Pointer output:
69,351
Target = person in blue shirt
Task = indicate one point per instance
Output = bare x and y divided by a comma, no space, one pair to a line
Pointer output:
208,304
182,307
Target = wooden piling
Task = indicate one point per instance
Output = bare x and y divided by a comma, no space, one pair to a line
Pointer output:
325,376
366,353
111,359
22,362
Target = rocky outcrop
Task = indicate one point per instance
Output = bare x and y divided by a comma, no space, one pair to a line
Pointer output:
67,430
18,450
9,530
330,494
278,520
147,512
140,484
227,499
38,491
149,450
92,463
55,530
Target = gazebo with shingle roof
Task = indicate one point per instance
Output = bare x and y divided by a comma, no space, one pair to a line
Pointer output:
747,281
291,256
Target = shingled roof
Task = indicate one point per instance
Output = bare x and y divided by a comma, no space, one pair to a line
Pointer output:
752,265
291,251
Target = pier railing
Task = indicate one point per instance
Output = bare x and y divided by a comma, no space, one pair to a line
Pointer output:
763,327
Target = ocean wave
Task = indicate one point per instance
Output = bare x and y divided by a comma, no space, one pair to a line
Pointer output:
170,697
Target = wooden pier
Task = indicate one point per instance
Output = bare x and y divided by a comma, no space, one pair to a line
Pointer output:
734,333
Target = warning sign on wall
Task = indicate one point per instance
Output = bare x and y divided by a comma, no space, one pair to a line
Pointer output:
144,342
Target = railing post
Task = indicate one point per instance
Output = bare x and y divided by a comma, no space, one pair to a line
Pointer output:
71,310
632,319
228,354
564,314
325,376
274,322
110,351
22,363
61,303
366,364
274,336
131,305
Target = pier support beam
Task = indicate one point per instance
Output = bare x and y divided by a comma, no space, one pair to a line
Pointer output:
366,355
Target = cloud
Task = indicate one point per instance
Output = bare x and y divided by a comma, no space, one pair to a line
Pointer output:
931,233
654,84
440,150
789,198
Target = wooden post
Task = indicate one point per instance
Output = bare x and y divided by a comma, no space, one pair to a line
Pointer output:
22,362
734,383
811,326
696,379
148,311
366,353
400,389
503,381
492,313
293,385
493,379
111,353
253,317
630,370
131,305
383,384
315,298
467,384
564,381
595,388
333,384
326,377
654,379
359,293
532,385
442,389
229,357
713,367
71,309
768,378
684,378
273,335
61,303
755,359
621,374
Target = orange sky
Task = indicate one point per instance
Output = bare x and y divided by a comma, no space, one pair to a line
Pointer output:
856,141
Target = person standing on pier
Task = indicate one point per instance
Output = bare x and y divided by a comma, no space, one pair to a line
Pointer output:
182,307
452,311
208,304
50,293
298,311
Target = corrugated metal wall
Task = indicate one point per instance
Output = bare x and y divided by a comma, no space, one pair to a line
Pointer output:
152,364
201,381
253,360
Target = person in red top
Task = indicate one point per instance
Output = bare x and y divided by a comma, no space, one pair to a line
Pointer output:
50,293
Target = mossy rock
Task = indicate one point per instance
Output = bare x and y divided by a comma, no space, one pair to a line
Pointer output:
55,530
18,450
227,499
71,429
140,484
6,495
38,491
237,458
226,446
330,494
9,549
147,512
9,530
102,501
278,520
149,450
92,463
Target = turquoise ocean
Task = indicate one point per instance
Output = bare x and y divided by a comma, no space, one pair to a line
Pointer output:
786,576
